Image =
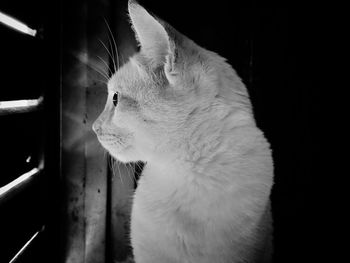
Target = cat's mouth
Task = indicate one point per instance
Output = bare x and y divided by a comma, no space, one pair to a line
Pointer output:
113,143
110,142
120,153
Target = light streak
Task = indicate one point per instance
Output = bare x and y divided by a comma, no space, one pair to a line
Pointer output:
18,181
17,25
19,103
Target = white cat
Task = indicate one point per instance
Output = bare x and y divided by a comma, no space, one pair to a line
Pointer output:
204,192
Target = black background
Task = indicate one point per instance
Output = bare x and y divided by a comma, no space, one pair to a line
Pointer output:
276,51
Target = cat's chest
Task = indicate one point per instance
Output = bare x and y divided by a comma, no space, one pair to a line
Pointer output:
163,192
159,188
166,207
177,199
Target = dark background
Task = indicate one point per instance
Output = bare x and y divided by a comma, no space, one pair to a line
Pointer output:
275,49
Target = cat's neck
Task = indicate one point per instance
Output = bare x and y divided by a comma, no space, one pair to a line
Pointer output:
207,151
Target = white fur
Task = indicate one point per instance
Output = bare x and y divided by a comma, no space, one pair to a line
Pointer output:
204,192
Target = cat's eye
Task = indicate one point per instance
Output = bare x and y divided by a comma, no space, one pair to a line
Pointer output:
115,98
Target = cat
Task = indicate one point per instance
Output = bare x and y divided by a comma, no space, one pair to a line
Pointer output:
203,196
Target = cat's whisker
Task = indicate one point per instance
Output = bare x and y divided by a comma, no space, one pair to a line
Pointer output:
117,54
139,166
99,71
120,174
127,171
115,44
112,167
116,164
110,73
130,169
100,81
109,53
110,47
84,59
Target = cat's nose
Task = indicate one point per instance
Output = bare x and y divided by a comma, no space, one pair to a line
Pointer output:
96,127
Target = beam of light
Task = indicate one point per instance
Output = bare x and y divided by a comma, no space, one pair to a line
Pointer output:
19,103
26,245
17,25
19,106
17,182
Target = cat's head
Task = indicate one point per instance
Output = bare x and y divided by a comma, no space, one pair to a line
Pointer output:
164,93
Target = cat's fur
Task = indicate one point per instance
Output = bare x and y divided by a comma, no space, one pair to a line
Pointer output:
204,192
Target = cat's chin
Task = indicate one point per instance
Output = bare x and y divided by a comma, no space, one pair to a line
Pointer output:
126,155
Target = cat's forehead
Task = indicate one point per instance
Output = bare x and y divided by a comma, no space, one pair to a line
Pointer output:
124,79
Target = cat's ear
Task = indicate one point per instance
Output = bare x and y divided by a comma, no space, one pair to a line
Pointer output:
151,35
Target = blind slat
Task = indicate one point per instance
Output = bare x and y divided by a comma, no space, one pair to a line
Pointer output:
16,25
26,245
11,188
19,106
